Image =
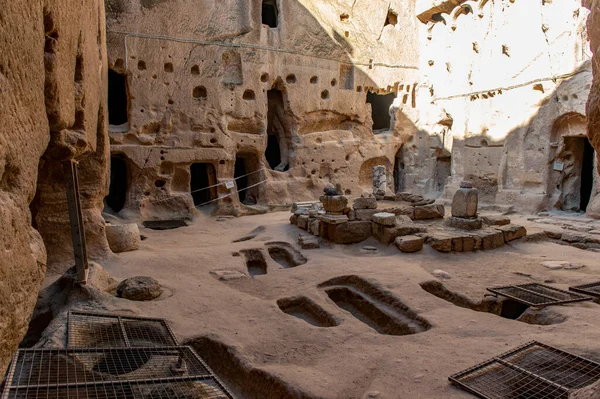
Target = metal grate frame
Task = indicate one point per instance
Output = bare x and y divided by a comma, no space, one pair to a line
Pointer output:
144,373
538,295
592,289
89,329
533,371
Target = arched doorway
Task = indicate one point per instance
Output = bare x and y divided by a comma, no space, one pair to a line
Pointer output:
571,174
202,183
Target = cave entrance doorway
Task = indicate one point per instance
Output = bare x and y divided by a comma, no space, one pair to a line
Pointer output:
443,170
203,178
399,172
380,110
577,163
278,135
117,192
269,13
247,178
117,99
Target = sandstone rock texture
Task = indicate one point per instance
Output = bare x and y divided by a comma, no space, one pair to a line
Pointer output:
140,288
330,94
323,94
52,79
504,91
593,104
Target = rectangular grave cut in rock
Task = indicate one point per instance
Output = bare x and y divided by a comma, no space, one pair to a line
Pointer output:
93,330
169,372
538,295
592,289
533,370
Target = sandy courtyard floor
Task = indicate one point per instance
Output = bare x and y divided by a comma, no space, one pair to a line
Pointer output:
263,352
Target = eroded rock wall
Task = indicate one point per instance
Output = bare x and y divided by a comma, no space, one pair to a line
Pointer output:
305,81
505,84
593,104
53,83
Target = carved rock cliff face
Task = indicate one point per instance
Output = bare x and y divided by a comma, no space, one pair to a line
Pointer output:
53,84
593,104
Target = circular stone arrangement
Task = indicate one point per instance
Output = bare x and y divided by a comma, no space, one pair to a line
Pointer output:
139,288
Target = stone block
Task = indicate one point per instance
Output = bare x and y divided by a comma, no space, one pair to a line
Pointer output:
314,227
384,234
294,219
512,232
440,242
409,244
407,210
334,203
384,219
308,242
123,237
350,232
364,214
301,211
433,211
365,203
334,219
495,220
303,221
465,201
491,239
464,223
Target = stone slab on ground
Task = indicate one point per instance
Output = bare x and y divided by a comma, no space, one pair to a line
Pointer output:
409,244
512,232
349,233
308,242
495,220
433,211
228,274
464,223
384,219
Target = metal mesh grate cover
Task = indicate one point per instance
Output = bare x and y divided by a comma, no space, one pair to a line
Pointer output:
533,371
152,372
538,295
592,289
86,329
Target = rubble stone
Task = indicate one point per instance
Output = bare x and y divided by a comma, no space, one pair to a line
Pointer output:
496,220
140,288
349,233
464,223
365,203
433,211
409,244
334,203
384,219
123,237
